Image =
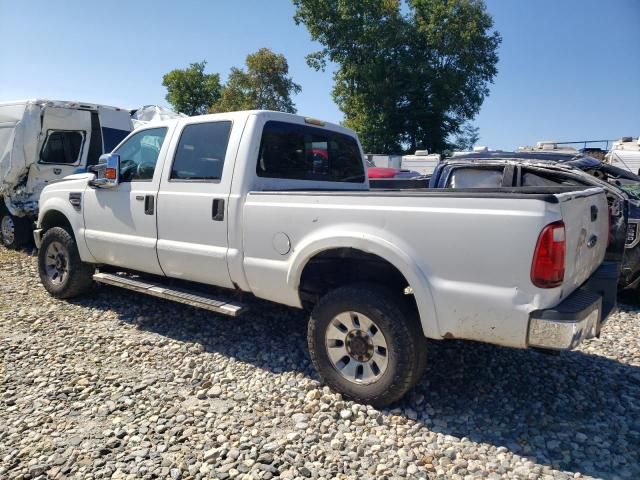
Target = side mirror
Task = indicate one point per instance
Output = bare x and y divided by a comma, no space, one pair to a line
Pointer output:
107,171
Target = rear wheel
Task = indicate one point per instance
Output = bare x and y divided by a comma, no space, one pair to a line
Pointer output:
15,231
62,272
365,344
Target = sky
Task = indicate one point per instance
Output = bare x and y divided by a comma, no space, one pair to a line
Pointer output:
569,69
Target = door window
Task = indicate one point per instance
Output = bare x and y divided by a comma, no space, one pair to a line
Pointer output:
469,177
307,153
548,179
139,154
62,147
201,151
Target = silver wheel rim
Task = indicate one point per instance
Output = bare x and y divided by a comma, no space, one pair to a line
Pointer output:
57,263
357,348
8,229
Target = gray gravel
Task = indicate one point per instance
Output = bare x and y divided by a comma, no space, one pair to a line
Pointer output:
117,385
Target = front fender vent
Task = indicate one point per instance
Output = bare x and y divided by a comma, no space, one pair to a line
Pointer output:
75,199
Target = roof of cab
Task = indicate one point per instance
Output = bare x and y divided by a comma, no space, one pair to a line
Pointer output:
269,114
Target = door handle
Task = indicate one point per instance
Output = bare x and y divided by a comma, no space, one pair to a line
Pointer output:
217,210
140,197
149,204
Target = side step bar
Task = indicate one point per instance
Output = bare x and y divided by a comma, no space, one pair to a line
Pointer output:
188,297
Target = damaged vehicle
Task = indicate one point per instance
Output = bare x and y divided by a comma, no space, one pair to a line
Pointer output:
520,169
43,141
205,210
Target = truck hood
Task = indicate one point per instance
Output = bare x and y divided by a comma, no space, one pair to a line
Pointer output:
76,181
78,176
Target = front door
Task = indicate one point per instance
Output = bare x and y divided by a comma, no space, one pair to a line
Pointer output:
120,222
193,201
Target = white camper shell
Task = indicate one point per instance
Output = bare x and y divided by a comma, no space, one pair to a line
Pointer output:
625,154
43,141
421,161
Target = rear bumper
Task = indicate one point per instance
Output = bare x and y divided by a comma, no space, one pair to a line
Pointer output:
579,316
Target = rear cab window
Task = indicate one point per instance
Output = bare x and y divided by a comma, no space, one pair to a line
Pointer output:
300,152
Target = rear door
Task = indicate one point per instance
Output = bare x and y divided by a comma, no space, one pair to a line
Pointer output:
193,200
64,145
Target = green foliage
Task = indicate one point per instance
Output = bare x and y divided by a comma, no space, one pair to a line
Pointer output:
264,85
409,74
467,138
192,91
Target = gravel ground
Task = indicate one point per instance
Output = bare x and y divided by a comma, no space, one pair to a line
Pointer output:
118,385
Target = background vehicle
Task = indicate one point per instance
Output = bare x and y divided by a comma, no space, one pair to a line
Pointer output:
517,169
421,161
388,172
42,141
625,154
244,201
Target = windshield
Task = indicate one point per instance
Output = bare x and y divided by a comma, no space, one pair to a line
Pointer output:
632,189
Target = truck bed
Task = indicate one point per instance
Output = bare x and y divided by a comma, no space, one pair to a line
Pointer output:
472,247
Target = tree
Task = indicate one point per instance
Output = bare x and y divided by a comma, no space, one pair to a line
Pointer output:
264,85
409,74
467,138
192,91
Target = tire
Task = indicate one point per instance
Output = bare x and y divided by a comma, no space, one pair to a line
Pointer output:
380,379
62,273
15,231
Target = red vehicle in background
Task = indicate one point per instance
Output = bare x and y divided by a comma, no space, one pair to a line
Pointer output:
388,172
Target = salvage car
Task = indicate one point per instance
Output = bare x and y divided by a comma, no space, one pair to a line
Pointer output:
204,209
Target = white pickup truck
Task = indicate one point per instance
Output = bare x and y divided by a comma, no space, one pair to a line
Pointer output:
279,206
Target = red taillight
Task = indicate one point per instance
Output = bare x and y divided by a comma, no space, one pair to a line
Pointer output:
547,268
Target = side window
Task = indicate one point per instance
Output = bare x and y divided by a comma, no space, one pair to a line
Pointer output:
307,153
201,151
539,179
475,178
62,147
139,154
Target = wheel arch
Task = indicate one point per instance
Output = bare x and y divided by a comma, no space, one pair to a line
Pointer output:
372,256
55,212
55,218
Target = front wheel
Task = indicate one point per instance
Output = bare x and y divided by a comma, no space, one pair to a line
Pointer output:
365,344
62,273
15,231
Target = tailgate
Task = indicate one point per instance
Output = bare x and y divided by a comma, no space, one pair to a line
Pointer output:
586,219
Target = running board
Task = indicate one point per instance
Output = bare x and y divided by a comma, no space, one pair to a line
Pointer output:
180,295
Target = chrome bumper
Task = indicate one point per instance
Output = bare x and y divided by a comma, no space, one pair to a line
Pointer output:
558,334
37,237
579,316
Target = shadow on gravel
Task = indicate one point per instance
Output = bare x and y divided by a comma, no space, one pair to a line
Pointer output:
574,411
